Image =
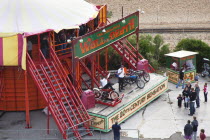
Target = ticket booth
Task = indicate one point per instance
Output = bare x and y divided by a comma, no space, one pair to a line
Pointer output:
179,60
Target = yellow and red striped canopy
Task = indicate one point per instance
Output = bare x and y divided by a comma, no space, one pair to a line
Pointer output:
13,51
36,16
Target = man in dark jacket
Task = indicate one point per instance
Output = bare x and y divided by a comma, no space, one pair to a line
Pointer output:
188,130
195,127
197,90
192,101
116,129
181,78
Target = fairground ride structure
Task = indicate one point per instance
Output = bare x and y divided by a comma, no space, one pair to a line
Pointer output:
54,77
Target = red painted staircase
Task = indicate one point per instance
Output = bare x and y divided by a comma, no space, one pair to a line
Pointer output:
129,53
64,103
99,71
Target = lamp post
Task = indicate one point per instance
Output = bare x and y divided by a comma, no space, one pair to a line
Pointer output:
137,39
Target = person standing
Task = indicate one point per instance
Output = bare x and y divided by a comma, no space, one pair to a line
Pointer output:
195,127
116,130
185,94
181,78
121,74
29,46
179,98
192,101
62,40
205,91
189,86
196,77
45,46
188,130
202,135
197,90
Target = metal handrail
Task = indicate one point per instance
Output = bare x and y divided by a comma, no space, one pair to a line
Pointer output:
57,95
33,67
153,70
70,86
88,72
19,133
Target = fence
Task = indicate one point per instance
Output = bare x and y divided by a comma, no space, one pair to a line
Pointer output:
41,134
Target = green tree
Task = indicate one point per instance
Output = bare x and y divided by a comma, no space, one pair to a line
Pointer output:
146,45
196,46
158,43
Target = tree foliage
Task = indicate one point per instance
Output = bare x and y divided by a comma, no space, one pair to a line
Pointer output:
196,46
153,49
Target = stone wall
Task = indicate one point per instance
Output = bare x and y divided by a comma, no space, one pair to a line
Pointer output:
174,38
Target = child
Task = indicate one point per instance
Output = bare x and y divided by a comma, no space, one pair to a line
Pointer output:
202,135
179,100
205,91
196,77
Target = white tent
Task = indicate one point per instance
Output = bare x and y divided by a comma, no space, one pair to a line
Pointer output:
34,16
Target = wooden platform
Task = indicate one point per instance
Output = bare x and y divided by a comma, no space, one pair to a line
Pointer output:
134,99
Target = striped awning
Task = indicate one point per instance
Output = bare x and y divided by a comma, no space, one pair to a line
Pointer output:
36,16
13,51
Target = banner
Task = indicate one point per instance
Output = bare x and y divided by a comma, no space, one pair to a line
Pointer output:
106,36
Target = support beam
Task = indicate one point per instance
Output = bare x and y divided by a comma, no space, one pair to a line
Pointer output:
28,125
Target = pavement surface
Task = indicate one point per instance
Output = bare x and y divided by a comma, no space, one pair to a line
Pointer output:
161,119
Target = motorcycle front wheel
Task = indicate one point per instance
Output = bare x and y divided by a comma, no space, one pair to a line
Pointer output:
140,83
114,95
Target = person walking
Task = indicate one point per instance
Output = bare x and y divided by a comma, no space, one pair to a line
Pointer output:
116,130
181,78
121,74
202,135
205,91
195,127
197,90
188,130
192,101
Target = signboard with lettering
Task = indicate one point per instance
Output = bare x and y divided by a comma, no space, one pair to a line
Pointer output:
106,36
189,76
97,122
172,76
137,104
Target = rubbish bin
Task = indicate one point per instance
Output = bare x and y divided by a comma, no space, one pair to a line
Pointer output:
143,65
88,99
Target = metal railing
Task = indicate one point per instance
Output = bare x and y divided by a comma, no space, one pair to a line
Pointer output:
41,134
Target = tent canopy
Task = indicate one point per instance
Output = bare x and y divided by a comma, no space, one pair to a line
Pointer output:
36,16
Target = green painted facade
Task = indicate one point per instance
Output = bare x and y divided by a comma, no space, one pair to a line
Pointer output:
106,123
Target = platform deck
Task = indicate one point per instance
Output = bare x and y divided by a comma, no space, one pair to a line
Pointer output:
134,99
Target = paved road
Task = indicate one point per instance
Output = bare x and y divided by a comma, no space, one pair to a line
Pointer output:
161,119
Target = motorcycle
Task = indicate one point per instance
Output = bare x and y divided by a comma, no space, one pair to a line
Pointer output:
206,68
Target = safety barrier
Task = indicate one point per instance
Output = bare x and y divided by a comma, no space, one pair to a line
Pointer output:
41,134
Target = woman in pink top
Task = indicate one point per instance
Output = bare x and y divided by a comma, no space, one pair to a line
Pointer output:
205,91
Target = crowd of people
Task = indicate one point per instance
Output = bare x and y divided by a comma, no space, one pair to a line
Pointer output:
190,130
191,99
